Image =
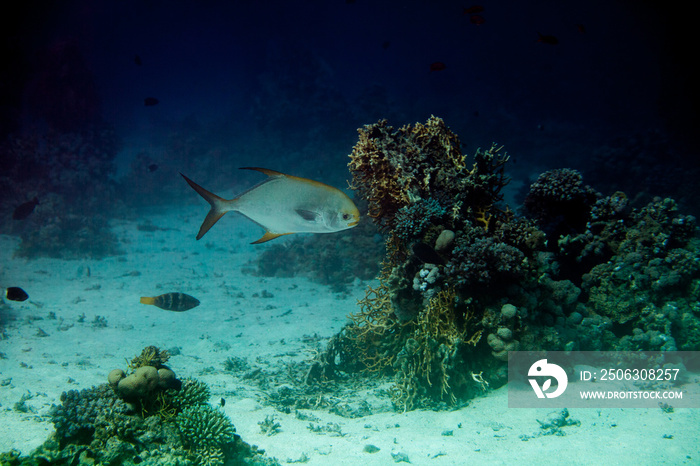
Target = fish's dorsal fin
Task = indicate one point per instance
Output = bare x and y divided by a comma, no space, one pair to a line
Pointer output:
266,171
276,174
268,237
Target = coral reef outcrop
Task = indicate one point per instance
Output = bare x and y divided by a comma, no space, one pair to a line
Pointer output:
104,425
465,279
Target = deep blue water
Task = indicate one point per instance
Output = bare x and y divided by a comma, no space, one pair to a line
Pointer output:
282,84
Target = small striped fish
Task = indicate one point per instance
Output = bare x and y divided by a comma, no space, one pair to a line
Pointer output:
177,302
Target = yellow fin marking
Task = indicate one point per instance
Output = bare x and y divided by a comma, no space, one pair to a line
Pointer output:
268,237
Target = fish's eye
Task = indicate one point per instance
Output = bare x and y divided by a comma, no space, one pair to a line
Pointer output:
346,216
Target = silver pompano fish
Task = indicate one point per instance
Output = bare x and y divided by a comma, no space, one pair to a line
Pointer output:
284,204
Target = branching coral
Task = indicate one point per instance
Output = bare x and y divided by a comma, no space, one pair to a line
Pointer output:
394,168
429,355
417,183
423,353
374,332
192,393
207,433
150,356
375,175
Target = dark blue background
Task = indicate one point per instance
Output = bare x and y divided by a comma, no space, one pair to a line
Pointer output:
285,84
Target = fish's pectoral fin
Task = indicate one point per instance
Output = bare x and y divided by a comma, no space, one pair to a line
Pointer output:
266,171
268,237
308,215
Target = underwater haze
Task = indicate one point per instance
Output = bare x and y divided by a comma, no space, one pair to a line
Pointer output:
319,231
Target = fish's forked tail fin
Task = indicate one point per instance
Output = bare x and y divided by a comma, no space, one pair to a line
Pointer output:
147,300
218,206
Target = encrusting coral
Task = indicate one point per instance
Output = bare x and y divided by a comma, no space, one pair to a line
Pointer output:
651,282
147,383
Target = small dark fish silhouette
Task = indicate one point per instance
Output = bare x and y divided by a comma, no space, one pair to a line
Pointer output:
473,10
152,167
437,66
222,402
547,39
477,19
15,293
137,60
150,101
25,209
177,302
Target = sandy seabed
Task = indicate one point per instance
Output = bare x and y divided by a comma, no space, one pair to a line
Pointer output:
84,319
